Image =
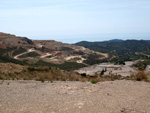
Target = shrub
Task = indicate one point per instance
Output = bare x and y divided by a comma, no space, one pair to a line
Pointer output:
93,81
1,78
141,76
82,79
83,74
31,69
38,69
42,80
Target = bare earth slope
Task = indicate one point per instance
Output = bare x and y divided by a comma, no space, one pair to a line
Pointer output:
74,97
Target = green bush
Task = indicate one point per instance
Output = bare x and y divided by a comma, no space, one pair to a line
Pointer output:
19,51
93,81
83,74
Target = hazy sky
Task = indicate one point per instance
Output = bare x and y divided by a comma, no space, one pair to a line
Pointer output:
74,20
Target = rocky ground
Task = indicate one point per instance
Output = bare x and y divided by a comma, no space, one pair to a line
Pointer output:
74,97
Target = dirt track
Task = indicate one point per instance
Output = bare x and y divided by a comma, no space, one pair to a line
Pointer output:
74,97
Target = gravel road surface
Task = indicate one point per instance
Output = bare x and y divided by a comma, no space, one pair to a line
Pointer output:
74,97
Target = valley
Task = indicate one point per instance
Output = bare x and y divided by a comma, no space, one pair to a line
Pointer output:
109,58
46,76
75,56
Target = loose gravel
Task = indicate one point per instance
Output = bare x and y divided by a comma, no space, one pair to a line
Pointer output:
74,97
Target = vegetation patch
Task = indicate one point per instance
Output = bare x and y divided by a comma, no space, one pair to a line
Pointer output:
38,69
141,76
93,59
67,49
141,65
31,54
68,66
122,50
93,81
19,51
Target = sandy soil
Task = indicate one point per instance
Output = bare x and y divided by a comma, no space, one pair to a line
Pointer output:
74,97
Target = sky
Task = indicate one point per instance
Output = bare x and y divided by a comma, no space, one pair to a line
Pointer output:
76,20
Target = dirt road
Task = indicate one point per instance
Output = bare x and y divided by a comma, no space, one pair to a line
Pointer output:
29,51
74,97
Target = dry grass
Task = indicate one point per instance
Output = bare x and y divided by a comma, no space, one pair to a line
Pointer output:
41,74
141,76
54,74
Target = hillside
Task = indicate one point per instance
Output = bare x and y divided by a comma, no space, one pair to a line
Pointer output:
21,50
12,40
10,71
120,47
120,50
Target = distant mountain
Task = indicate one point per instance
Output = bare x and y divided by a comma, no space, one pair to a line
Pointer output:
116,40
21,50
120,51
116,47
